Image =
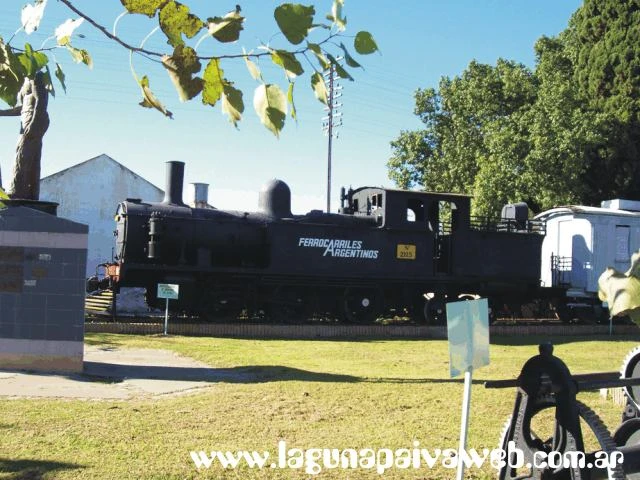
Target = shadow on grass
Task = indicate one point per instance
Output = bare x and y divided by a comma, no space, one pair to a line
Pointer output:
109,372
107,340
32,469
250,374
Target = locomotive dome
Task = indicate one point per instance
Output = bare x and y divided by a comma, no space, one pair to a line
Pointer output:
274,199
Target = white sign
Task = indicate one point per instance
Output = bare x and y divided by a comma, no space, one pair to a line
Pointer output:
168,290
468,332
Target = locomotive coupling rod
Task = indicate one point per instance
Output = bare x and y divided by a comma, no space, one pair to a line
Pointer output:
584,382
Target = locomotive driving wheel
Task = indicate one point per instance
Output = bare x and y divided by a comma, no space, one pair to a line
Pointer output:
362,304
435,310
218,302
289,304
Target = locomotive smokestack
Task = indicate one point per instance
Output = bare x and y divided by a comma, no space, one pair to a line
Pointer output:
174,181
198,195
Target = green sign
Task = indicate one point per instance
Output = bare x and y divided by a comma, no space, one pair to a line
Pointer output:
168,290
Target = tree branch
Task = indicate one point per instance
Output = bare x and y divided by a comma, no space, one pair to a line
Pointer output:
11,112
107,33
150,53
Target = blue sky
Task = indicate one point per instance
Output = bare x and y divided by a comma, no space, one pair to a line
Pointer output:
420,41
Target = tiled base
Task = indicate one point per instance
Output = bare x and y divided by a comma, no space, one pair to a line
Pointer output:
41,355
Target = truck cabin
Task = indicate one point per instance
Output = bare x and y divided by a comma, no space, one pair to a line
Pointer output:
439,213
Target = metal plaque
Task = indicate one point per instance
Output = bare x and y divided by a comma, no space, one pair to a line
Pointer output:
406,252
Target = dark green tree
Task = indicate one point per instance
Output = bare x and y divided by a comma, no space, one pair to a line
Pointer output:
603,40
566,132
466,124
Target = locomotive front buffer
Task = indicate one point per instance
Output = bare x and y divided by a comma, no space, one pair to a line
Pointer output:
552,435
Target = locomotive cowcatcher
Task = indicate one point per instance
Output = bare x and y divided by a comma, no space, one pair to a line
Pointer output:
388,252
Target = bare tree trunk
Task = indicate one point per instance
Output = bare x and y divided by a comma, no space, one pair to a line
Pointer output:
11,112
34,98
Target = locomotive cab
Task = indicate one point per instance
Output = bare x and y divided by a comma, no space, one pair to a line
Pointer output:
403,209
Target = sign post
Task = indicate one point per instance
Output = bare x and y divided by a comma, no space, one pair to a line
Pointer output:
468,332
168,291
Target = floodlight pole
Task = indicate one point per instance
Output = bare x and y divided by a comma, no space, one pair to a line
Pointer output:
331,121
330,133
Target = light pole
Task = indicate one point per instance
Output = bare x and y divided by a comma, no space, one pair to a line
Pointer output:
332,121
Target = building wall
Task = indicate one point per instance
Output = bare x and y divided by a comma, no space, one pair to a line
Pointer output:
89,193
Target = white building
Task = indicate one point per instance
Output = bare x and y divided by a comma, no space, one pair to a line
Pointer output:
581,242
89,193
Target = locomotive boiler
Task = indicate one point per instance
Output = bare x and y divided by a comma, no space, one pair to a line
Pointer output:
386,252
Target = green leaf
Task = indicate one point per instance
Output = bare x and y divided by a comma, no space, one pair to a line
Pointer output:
80,55
11,75
144,7
48,83
270,104
181,66
294,21
294,114
3,196
254,71
364,43
342,73
348,58
232,103
320,88
317,51
175,20
60,76
621,291
32,61
213,82
149,100
226,29
288,62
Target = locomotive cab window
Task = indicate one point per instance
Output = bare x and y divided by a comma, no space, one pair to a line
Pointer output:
443,217
415,210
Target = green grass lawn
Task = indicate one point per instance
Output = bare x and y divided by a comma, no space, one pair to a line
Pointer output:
313,394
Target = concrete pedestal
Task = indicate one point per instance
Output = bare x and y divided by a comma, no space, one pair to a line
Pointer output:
42,291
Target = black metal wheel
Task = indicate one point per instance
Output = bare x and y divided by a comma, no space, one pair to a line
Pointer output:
363,304
529,439
418,309
435,310
290,304
631,369
217,302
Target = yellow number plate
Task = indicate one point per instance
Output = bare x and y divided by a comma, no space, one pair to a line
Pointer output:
406,252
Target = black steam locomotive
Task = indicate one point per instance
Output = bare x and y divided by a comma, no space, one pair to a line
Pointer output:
387,252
